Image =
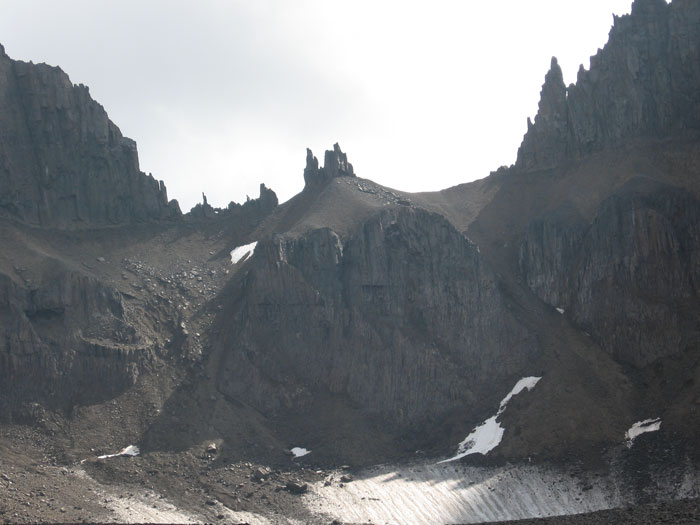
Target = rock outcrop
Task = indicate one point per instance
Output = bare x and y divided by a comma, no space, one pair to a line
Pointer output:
203,210
63,163
335,165
67,340
403,319
626,274
643,83
252,208
631,277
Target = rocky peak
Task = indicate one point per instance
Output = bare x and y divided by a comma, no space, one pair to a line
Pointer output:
336,165
641,84
553,96
545,142
63,163
268,198
203,210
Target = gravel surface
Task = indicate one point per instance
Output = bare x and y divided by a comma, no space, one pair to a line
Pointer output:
677,512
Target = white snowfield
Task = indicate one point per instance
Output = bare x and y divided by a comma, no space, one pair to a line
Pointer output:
641,427
242,252
487,436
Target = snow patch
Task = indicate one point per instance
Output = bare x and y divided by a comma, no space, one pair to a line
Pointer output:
131,450
561,311
482,440
641,427
525,383
487,436
300,452
242,252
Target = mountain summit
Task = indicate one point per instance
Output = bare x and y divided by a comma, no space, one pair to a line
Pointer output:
640,85
335,165
63,163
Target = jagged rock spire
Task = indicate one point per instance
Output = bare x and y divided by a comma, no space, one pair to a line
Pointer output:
268,198
642,84
544,144
552,105
336,165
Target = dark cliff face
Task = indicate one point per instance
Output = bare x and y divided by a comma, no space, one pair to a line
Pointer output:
402,319
627,273
63,163
599,216
67,340
71,335
642,84
630,278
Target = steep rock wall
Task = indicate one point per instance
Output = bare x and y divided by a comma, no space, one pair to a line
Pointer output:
403,318
63,163
66,341
643,83
631,277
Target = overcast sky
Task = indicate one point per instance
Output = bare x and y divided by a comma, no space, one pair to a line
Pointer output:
223,95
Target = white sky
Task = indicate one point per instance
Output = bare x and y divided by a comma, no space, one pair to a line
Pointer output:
223,95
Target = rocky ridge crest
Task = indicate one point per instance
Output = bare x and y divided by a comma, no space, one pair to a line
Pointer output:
643,83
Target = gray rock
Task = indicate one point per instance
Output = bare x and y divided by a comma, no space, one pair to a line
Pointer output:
622,277
63,163
70,336
375,316
642,84
297,487
335,165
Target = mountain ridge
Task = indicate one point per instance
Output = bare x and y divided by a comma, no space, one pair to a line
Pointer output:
368,323
639,84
